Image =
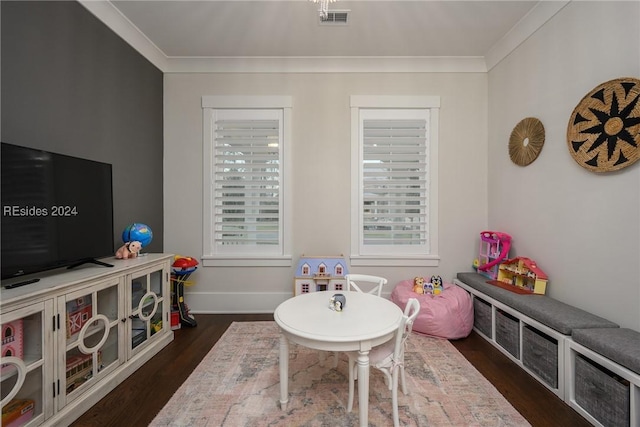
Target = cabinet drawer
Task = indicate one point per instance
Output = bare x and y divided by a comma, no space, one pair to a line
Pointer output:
508,332
601,393
540,355
482,316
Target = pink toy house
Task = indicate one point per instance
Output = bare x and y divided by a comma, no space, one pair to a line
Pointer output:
12,340
494,247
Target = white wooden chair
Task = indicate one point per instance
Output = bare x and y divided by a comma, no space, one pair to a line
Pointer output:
365,283
388,358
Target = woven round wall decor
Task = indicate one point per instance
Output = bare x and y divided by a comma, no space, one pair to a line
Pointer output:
603,134
526,141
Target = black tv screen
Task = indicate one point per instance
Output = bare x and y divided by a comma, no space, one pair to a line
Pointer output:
57,210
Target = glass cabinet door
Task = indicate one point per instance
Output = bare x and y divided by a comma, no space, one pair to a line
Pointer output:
148,305
89,335
24,370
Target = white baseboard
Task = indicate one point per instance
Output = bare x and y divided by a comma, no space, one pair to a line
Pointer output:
234,302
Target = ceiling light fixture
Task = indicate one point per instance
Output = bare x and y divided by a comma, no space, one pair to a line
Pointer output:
324,7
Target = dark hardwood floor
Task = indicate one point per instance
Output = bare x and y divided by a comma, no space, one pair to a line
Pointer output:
140,397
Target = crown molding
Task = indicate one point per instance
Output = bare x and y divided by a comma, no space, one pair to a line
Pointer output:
326,65
525,28
106,12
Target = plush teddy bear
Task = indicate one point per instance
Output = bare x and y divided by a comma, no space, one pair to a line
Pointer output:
129,250
418,285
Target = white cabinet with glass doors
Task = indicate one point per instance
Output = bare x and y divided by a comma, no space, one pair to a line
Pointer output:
26,364
75,335
148,305
89,334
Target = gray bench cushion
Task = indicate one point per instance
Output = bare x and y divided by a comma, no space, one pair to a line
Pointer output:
557,315
621,345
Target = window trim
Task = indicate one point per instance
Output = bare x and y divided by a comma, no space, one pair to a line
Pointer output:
358,102
209,257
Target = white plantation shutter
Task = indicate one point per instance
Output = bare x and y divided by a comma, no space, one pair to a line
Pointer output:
247,179
246,207
394,179
394,176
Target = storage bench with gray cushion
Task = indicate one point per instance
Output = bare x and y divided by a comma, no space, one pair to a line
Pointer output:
557,315
531,329
603,375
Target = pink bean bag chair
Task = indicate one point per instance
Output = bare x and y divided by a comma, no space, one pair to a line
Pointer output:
448,315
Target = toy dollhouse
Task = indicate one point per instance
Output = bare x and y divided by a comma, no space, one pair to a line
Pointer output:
494,247
314,274
78,313
12,340
523,273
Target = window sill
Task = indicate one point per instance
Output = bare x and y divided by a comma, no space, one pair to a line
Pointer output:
394,261
246,261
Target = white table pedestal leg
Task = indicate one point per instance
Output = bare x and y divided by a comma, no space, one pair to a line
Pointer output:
284,372
363,387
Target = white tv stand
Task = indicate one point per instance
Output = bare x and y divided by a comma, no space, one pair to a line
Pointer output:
83,331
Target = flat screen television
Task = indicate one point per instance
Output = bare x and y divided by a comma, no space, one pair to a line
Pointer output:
57,211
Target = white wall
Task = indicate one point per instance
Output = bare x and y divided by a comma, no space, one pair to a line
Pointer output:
321,152
582,228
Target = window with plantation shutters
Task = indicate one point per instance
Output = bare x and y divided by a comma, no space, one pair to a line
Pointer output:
394,211
245,165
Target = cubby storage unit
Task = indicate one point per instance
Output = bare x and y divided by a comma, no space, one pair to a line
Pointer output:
601,390
84,331
535,347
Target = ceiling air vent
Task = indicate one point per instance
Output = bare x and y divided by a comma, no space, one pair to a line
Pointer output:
335,17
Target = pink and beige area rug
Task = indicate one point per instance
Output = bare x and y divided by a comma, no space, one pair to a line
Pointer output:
237,385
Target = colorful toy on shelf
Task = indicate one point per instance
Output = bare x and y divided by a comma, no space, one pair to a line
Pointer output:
129,250
494,247
139,232
80,369
523,273
12,342
17,412
79,312
182,268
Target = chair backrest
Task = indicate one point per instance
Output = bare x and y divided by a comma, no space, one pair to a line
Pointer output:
374,282
411,311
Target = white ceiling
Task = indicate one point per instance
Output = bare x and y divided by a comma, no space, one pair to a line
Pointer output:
185,35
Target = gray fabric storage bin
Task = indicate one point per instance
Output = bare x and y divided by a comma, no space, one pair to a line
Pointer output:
540,355
482,316
508,332
601,393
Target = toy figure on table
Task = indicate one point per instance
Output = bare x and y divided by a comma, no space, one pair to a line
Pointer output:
183,267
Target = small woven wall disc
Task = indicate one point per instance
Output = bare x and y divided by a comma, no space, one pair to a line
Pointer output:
526,141
603,134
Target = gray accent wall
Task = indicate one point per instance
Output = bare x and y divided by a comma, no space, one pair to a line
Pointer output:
72,86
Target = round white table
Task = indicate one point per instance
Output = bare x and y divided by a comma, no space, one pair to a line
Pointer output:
365,322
